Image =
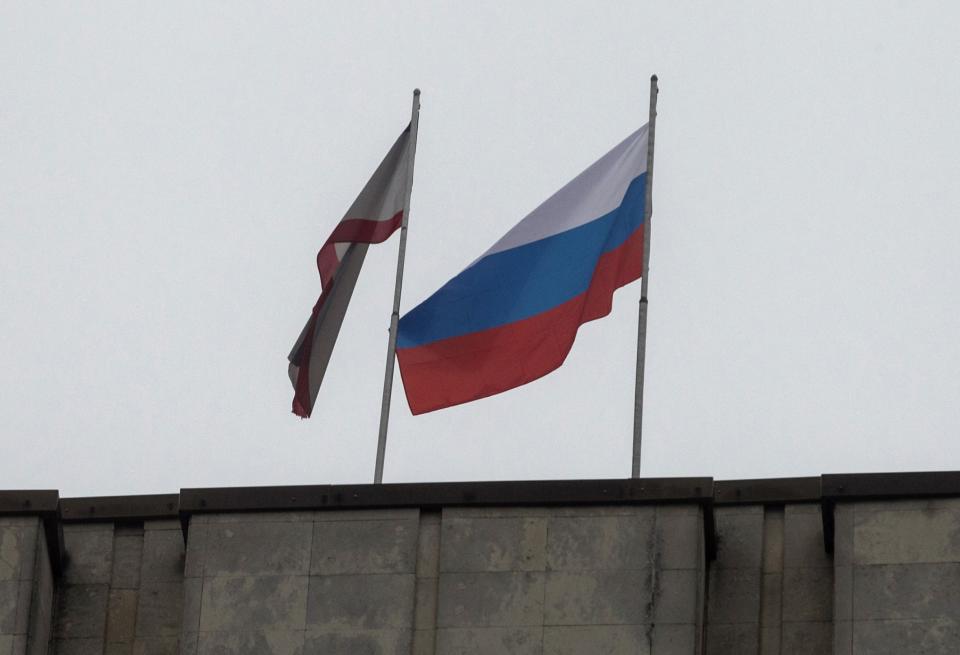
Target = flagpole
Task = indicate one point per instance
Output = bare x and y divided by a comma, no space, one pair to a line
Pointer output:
642,329
395,315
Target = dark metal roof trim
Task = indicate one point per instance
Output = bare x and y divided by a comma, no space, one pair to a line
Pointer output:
767,491
28,502
863,486
114,508
447,494
826,489
44,504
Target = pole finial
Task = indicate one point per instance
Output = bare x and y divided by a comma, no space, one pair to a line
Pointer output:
416,92
654,78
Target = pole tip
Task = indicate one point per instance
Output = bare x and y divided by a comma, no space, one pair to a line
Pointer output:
653,78
416,92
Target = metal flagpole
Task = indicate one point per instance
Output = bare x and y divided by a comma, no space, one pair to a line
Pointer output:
395,316
642,330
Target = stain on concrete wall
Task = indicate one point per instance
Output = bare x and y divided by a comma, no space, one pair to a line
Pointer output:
26,587
897,566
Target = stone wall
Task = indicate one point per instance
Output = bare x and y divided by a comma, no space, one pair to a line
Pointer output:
771,586
26,586
461,581
562,581
468,570
897,566
122,589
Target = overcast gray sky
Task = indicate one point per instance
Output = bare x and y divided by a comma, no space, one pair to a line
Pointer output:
169,170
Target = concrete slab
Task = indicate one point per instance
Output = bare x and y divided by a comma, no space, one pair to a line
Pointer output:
674,639
808,594
352,547
733,639
807,638
127,557
344,602
487,641
271,642
263,604
85,646
803,538
163,555
358,642
81,612
490,599
899,537
122,615
18,545
89,549
599,639
676,595
679,536
257,548
493,544
597,597
920,637
160,610
9,604
156,646
739,538
600,542
734,596
911,591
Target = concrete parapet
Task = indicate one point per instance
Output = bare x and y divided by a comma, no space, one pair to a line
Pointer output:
29,558
809,566
897,566
771,587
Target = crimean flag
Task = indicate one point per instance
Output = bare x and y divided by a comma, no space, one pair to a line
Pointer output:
374,216
512,315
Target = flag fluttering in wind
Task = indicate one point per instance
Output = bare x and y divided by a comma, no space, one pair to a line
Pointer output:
512,315
376,214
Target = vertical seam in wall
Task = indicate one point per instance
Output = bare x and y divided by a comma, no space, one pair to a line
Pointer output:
55,604
783,569
203,577
653,548
851,563
143,557
306,605
702,595
543,595
422,578
110,589
761,620
34,587
436,579
708,565
203,583
106,610
768,525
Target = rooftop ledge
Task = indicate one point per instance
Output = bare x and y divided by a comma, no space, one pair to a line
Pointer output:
827,490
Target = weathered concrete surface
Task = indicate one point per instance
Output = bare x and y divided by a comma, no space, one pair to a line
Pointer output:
303,582
427,591
570,580
122,589
897,566
478,580
384,582
771,586
26,587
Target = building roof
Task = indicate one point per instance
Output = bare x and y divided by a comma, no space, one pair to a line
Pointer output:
825,490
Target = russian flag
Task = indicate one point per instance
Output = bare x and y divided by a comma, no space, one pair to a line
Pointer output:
512,316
